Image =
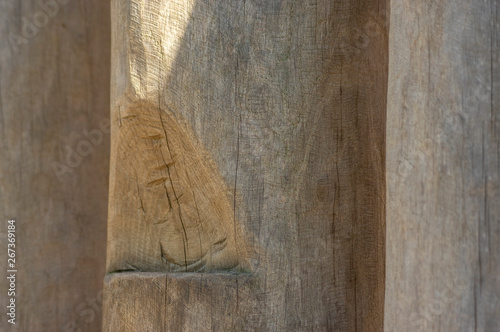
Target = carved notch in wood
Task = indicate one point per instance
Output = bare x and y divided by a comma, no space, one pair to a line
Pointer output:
171,206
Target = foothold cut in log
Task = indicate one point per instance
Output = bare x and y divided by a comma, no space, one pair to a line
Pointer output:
184,211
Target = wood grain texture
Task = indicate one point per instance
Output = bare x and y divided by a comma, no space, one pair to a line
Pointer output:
183,302
443,211
186,219
54,86
284,104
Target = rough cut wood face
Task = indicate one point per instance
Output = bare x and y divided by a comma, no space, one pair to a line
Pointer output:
443,170
247,136
184,220
54,87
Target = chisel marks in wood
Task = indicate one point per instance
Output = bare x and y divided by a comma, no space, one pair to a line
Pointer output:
181,196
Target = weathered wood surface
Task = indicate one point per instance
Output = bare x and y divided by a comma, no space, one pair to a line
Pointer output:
270,115
443,138
54,85
185,302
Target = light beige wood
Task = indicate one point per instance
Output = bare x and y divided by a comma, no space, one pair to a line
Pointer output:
258,125
54,88
443,211
180,215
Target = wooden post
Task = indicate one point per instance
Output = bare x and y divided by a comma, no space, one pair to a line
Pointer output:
54,157
247,166
443,226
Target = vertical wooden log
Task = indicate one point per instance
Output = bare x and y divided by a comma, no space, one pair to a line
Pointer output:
247,166
54,97
443,211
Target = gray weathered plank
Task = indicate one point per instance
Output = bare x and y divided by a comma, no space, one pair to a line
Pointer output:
54,85
443,211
